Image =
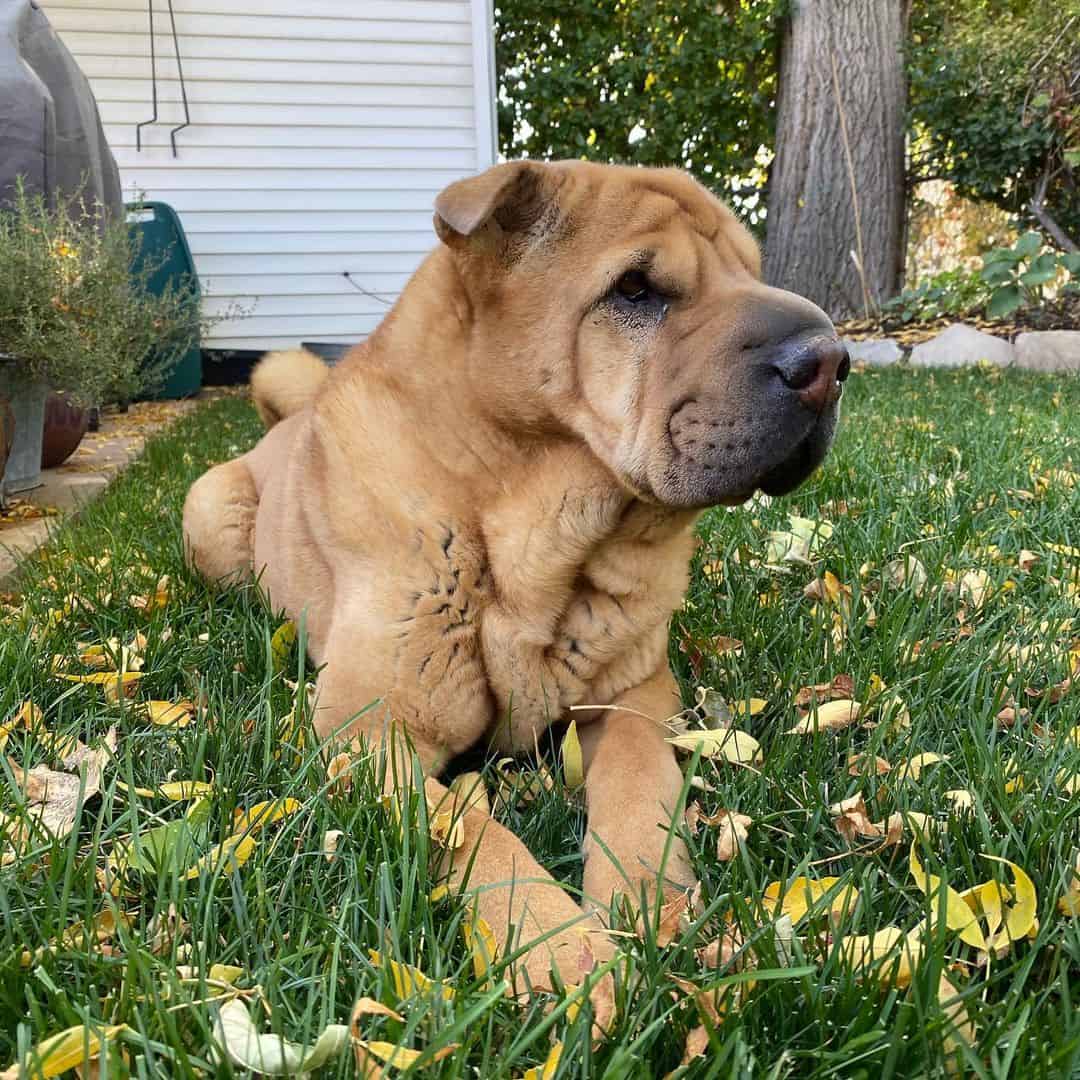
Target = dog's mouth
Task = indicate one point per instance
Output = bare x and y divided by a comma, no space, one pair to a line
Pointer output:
799,465
730,479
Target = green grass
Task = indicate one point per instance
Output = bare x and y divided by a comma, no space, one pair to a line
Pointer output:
925,463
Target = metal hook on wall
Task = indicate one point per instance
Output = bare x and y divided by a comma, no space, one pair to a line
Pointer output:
153,81
183,87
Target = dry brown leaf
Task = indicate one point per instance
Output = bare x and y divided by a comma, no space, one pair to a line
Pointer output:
697,1042
851,819
331,839
975,588
724,952
726,646
164,929
913,767
961,800
734,828
862,763
671,918
908,572
52,798
842,686
338,772
1027,559
366,1006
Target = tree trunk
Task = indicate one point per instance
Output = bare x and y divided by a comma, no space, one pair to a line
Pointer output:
836,191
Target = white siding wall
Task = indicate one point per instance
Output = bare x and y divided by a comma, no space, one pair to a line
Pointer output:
321,131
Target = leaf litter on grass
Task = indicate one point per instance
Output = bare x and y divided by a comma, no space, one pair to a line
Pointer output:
940,690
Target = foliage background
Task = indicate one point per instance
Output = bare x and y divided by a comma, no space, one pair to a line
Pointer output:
655,82
994,88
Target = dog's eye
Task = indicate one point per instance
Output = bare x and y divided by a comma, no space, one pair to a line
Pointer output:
633,286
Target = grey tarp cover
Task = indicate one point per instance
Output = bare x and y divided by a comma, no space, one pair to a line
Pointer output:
50,131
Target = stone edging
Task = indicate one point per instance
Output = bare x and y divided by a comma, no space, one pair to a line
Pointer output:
960,345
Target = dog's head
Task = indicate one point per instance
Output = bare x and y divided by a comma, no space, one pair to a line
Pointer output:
625,306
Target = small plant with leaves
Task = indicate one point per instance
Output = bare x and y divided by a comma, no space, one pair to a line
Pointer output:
950,293
1020,274
74,313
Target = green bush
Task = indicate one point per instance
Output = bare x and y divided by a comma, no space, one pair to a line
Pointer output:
951,293
1018,275
73,314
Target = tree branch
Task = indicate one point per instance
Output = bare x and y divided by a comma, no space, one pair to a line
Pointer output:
1037,206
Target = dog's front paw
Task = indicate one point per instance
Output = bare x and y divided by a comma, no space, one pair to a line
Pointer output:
645,878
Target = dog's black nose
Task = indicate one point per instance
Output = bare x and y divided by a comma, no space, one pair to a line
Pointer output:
814,368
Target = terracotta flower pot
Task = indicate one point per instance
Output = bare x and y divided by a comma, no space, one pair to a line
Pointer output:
65,425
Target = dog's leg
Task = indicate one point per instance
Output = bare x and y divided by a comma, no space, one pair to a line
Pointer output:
519,900
219,522
632,786
523,904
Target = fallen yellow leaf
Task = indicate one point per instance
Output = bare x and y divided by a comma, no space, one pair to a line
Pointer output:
961,799
829,716
408,980
225,857
958,916
27,717
173,790
104,678
1069,903
170,713
573,763
751,707
548,1069
731,744
913,767
804,894
1020,919
480,941
70,1049
281,645
263,814
897,953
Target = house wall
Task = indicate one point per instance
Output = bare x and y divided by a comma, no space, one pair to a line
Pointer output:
321,131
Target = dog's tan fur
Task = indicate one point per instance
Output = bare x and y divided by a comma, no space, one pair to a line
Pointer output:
484,514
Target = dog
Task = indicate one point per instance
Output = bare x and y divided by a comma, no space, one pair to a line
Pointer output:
485,512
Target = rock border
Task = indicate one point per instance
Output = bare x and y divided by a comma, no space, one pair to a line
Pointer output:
960,345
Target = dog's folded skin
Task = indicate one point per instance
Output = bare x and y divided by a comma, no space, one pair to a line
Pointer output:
485,513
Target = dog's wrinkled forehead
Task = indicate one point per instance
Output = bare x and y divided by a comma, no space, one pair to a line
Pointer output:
517,207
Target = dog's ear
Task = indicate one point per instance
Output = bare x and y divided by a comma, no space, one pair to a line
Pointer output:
514,198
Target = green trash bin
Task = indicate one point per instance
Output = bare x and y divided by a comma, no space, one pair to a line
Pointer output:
161,239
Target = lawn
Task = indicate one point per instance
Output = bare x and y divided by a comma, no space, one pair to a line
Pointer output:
962,471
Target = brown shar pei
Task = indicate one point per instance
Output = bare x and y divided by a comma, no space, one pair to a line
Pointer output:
485,513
